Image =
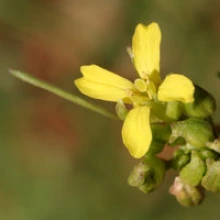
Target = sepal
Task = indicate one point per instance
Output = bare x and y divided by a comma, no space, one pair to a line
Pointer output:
211,180
121,110
193,172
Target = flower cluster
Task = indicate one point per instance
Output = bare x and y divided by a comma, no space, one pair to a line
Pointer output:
159,113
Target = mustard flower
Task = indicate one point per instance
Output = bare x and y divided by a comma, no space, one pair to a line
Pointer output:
102,84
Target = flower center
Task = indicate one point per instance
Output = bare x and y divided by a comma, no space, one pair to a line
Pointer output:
139,98
146,86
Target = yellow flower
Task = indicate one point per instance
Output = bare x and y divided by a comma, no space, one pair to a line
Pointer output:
102,84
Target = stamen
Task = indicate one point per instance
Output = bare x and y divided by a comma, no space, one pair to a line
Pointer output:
129,93
140,85
151,89
145,76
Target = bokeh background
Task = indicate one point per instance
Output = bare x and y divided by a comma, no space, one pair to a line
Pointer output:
60,161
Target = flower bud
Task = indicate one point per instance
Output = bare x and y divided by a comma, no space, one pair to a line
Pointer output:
139,174
203,106
174,110
121,110
211,180
161,133
185,194
148,175
197,132
193,172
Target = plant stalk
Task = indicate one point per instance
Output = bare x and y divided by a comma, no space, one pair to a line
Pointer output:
61,93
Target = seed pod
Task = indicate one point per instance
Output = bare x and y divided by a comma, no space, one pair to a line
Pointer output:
138,175
121,110
180,161
215,145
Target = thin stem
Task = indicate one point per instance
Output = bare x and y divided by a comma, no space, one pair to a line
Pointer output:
61,93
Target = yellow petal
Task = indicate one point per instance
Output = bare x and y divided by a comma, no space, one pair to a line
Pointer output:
102,84
136,131
146,50
176,87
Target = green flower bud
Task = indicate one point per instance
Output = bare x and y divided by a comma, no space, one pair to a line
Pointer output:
215,145
174,110
121,110
148,175
211,180
161,133
139,174
185,194
193,172
197,132
203,106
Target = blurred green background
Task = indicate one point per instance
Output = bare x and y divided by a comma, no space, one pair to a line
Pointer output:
59,161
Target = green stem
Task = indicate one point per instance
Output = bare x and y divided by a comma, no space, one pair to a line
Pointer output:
61,93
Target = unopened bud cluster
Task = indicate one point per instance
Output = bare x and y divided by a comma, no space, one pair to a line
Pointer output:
196,156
